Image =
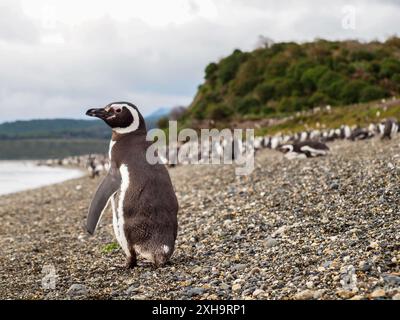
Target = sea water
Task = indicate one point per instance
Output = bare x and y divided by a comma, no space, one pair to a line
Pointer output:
23,175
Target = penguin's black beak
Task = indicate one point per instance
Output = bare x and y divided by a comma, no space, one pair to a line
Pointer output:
98,113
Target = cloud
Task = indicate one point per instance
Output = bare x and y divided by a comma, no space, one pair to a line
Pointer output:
61,67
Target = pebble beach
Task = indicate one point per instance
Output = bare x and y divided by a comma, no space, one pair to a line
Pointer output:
317,228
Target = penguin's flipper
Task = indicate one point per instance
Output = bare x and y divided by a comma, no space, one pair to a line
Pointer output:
106,189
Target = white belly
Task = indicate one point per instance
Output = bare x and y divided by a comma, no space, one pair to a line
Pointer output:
118,211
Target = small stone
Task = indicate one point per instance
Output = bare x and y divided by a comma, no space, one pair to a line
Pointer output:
345,294
257,292
321,269
271,242
396,297
304,295
255,271
392,279
236,287
334,186
194,292
373,245
357,297
238,267
196,270
139,297
77,290
132,289
365,266
309,284
224,286
319,293
378,293
227,222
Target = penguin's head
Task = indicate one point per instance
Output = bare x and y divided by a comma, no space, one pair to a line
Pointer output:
122,117
285,148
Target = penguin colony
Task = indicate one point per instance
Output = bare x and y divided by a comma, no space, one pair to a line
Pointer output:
96,164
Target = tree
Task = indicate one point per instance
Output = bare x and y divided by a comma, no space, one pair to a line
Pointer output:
265,92
371,92
211,70
229,66
351,93
162,122
389,67
218,112
311,77
248,106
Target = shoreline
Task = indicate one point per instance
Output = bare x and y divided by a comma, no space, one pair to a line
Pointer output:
23,175
320,228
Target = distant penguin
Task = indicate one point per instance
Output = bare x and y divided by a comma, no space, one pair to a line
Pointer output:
345,132
361,134
92,168
390,128
145,213
305,149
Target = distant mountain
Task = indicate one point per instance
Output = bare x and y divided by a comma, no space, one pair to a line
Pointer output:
152,119
54,129
66,128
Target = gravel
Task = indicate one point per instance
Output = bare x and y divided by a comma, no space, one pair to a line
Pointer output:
322,228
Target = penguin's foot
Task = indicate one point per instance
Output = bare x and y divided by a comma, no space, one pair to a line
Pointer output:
131,262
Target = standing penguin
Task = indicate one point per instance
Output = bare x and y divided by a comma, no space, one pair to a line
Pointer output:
145,213
390,128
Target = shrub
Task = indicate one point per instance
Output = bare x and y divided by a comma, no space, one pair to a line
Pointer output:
218,112
211,70
390,67
352,91
265,92
229,66
163,122
319,99
372,93
311,77
248,105
362,55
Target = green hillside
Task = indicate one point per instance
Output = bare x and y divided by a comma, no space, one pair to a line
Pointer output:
286,78
54,129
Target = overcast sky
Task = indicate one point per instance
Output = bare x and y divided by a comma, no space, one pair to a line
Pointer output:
59,57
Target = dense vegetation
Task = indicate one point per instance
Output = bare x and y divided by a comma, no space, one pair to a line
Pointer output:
285,78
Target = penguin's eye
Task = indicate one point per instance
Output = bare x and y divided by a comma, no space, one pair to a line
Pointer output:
118,110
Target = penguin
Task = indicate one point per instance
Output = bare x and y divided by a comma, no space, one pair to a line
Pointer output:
390,128
145,213
305,149
93,169
361,134
345,132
